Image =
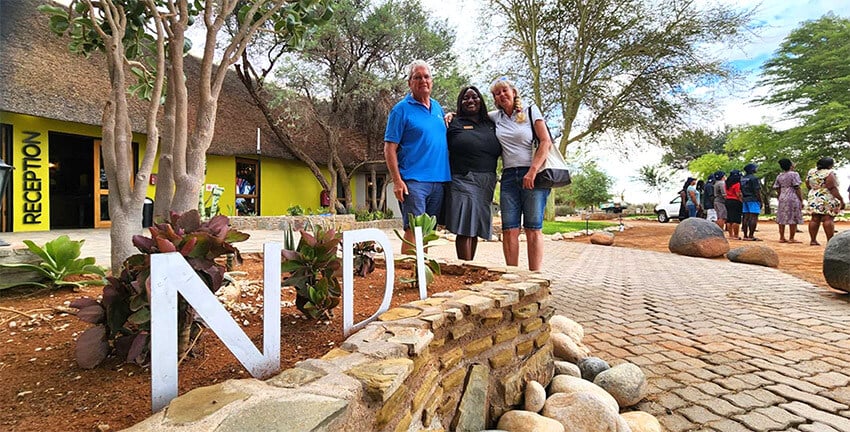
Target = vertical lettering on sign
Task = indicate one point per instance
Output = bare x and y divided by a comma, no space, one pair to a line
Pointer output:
32,183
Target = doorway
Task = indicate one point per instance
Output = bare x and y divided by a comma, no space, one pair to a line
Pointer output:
72,181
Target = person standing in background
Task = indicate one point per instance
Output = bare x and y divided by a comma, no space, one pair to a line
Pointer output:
708,199
825,200
416,150
790,208
733,204
720,198
751,201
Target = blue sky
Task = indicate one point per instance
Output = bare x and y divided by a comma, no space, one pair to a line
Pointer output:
775,19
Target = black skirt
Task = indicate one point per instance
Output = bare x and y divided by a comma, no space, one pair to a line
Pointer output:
468,204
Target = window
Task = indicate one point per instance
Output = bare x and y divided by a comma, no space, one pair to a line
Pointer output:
247,187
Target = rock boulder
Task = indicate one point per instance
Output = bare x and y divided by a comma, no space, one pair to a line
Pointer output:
698,238
836,261
758,255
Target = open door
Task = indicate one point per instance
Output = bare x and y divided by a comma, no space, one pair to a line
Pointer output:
101,191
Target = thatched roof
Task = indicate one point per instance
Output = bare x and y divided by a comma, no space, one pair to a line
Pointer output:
40,77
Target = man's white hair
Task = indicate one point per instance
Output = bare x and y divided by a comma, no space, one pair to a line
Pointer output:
417,64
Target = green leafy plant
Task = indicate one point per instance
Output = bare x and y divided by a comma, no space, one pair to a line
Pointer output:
295,210
429,239
312,269
60,258
122,318
364,257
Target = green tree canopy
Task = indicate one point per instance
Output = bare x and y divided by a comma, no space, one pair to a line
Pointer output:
590,186
619,65
809,78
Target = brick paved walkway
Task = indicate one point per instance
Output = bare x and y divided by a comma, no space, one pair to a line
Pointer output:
726,347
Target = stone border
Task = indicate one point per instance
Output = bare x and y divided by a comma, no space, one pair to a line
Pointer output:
339,222
455,361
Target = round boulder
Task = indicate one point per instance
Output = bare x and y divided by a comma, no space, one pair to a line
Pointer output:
698,238
584,412
640,421
592,366
565,348
603,238
570,385
567,368
625,382
535,396
526,421
758,255
836,261
562,324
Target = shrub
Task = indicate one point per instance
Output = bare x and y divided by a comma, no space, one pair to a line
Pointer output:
312,269
60,258
429,238
122,317
295,210
364,257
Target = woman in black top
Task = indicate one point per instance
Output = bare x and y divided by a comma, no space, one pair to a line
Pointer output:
473,152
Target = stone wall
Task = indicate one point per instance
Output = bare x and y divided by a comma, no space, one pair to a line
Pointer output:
340,222
17,254
455,361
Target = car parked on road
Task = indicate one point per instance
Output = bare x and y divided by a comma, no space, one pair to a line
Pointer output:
668,210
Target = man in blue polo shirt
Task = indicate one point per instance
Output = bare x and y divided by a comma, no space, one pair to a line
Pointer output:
416,150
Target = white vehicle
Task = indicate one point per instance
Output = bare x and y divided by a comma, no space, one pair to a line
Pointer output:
668,210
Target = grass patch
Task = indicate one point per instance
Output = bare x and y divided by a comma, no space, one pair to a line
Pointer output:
552,227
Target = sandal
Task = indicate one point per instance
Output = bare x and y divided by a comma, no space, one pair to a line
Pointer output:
794,241
783,241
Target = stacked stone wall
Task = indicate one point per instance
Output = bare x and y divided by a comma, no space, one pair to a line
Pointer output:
455,361
339,222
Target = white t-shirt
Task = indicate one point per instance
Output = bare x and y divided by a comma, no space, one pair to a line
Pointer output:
515,137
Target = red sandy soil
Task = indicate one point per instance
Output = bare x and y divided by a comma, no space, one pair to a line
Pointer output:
43,389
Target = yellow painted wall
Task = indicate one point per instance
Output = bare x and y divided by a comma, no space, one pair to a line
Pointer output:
31,176
283,183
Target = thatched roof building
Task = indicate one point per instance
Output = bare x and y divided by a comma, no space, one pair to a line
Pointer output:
40,77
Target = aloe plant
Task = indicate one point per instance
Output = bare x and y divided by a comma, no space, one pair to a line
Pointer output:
122,317
429,238
60,258
312,269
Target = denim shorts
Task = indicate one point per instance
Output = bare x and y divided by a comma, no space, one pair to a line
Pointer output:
422,197
518,205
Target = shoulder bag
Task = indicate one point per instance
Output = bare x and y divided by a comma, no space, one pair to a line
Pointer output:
554,172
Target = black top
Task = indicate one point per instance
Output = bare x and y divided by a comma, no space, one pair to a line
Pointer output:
472,146
750,188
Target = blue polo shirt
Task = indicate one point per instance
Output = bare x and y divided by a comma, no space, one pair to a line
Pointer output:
423,153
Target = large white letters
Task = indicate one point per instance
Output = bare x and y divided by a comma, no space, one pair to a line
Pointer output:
171,275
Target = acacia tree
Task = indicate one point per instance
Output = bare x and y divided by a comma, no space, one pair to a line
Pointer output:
619,65
808,78
145,41
654,178
590,186
348,75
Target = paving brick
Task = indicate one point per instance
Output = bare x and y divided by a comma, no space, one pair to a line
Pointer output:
729,426
733,384
721,407
803,410
829,380
712,388
675,423
793,382
757,421
816,401
692,394
784,370
781,416
768,397
818,427
671,401
744,401
699,414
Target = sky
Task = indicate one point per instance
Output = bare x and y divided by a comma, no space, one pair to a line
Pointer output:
775,18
